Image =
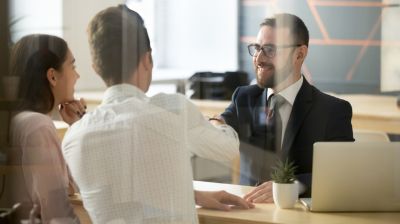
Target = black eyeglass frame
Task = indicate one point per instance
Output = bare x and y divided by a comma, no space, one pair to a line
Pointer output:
269,50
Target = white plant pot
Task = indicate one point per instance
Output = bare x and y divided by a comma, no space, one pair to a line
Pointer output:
285,195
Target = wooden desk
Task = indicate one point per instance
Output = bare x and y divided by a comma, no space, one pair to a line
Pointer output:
61,127
268,213
265,213
79,210
370,112
211,107
92,98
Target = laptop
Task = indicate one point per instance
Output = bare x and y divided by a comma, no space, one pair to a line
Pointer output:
355,177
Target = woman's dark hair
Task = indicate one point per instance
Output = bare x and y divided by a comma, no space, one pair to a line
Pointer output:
31,57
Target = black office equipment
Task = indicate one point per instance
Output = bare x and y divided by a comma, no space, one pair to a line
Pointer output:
216,86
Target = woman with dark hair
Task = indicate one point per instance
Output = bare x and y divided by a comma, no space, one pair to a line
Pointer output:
47,74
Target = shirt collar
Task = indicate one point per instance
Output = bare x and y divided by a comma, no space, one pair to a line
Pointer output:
291,91
120,92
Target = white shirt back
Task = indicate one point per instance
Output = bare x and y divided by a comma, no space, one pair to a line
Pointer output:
131,156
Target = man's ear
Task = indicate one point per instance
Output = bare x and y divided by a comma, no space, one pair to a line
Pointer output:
148,61
302,53
51,76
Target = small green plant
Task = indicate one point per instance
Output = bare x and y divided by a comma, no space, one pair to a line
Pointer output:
283,173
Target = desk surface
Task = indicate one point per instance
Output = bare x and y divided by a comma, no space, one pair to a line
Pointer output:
269,213
61,127
265,213
370,112
373,106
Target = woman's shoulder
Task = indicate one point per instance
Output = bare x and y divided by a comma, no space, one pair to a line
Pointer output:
32,116
29,120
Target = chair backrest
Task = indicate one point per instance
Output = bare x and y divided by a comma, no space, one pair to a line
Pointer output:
370,136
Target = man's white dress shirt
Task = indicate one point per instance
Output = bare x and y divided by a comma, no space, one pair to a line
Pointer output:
289,93
131,156
285,110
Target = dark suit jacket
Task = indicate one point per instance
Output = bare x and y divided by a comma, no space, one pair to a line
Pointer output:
315,117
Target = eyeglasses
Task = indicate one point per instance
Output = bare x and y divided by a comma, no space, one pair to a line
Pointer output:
269,50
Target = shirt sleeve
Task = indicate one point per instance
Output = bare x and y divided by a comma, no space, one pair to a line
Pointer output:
219,143
230,113
46,173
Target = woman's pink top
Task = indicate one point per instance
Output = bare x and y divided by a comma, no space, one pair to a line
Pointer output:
43,177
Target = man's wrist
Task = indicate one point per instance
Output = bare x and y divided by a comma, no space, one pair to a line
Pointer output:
217,120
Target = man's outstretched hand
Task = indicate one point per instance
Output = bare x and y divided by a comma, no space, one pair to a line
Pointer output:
261,194
220,200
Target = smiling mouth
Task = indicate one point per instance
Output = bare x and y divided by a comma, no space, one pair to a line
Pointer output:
264,66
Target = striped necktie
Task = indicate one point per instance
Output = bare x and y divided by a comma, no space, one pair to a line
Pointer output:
274,122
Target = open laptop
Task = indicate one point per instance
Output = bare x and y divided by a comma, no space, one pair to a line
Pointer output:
355,176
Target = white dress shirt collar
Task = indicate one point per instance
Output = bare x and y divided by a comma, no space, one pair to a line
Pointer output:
291,91
120,92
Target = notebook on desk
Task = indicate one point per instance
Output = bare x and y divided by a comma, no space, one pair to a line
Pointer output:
355,176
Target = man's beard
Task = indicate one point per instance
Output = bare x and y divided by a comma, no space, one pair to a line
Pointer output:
269,82
276,77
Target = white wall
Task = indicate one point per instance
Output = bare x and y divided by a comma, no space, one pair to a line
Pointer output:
390,54
64,18
76,17
187,35
198,34
38,16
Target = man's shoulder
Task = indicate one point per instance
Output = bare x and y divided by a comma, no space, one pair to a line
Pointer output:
87,123
250,90
167,97
329,99
170,102
32,121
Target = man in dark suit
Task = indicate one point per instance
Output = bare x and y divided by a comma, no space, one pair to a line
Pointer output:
302,115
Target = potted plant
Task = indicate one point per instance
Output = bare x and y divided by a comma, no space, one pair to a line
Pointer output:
284,188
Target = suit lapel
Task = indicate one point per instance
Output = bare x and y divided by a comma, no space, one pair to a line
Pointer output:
259,109
301,107
258,113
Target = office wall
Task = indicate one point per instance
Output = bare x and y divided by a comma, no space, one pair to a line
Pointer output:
67,19
187,35
345,48
38,16
76,17
193,35
390,54
197,34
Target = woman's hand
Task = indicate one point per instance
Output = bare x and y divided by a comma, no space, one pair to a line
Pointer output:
73,110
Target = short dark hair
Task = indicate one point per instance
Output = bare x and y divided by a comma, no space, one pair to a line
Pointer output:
31,57
294,23
118,39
